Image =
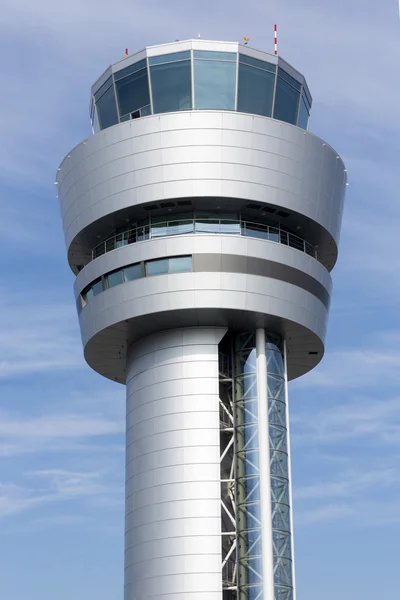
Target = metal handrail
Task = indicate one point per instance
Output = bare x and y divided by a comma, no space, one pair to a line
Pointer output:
205,226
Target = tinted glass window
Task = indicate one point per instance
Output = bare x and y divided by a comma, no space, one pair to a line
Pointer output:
95,121
171,86
286,102
303,115
97,287
145,111
254,62
180,264
115,278
87,296
256,90
107,109
142,64
133,92
166,58
293,82
106,85
133,272
157,267
214,84
215,55
307,96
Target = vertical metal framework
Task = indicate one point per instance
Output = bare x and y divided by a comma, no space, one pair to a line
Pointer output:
262,525
279,469
228,491
249,523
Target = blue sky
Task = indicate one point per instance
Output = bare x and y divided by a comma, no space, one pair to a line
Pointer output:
61,425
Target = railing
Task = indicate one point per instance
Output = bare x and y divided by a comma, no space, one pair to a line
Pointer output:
205,226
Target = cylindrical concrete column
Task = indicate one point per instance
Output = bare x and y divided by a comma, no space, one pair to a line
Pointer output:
173,497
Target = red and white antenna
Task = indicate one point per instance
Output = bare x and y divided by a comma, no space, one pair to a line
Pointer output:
275,39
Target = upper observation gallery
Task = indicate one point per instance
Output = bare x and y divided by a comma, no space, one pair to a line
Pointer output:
200,75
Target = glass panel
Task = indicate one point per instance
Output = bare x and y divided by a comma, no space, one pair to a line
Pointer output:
88,295
133,272
256,231
273,234
106,85
171,87
207,226
254,62
205,54
256,91
159,229
133,92
145,111
97,287
180,264
215,84
289,79
95,121
107,109
307,95
286,102
180,227
142,64
115,278
157,267
167,58
303,115
229,227
296,242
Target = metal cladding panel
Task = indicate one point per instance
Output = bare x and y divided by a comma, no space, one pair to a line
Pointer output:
137,308
256,278
204,153
224,245
173,524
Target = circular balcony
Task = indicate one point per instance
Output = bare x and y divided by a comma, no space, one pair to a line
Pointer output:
169,227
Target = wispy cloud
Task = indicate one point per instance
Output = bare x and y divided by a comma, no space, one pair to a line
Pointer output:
349,485
368,420
37,337
57,486
360,368
21,435
365,498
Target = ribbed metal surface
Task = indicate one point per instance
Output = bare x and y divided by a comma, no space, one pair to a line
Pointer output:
173,513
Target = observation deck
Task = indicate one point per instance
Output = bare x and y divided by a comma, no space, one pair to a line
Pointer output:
200,75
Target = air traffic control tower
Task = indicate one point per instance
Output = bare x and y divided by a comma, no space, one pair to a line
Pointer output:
202,222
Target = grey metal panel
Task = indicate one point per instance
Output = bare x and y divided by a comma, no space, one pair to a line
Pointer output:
173,527
103,184
261,267
203,244
134,309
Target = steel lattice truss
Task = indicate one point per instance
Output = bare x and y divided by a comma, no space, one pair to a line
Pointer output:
227,461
